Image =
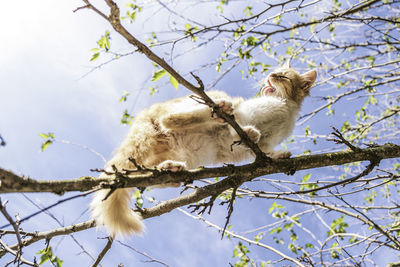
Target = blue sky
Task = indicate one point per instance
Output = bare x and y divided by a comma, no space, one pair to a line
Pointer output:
45,53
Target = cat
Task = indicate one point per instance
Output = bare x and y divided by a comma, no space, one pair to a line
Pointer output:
181,134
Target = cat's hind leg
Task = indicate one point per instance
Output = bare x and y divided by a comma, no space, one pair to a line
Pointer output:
253,133
195,116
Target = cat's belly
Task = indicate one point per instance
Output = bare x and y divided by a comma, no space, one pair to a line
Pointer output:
202,147
193,148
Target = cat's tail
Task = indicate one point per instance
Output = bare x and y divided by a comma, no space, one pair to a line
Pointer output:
115,212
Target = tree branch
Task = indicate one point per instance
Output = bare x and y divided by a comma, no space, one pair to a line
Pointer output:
47,235
103,252
257,243
234,180
12,183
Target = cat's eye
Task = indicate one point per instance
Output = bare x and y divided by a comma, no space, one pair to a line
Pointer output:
280,75
283,77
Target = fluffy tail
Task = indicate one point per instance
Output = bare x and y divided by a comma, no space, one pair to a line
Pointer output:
115,212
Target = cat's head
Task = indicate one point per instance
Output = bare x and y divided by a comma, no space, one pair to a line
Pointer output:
289,84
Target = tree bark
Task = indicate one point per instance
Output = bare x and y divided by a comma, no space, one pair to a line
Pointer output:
12,183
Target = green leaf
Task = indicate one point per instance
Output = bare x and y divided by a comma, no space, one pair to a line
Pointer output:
126,118
139,198
306,178
173,81
95,56
158,75
370,59
293,248
45,136
370,197
188,26
104,41
49,139
279,241
247,11
335,252
250,41
153,90
276,230
309,245
152,41
277,20
346,126
45,144
132,15
238,31
190,30
275,206
338,226
288,226
258,237
307,131
47,255
124,96
294,236
353,240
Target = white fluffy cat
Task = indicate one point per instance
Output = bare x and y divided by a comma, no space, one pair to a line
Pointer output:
182,134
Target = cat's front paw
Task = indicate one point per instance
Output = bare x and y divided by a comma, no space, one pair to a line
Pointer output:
252,133
226,106
280,154
172,166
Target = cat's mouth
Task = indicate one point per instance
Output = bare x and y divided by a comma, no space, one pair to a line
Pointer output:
268,88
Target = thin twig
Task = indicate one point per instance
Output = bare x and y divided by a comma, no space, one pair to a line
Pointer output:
257,243
230,210
371,222
151,259
204,205
16,254
15,226
51,206
103,252
341,140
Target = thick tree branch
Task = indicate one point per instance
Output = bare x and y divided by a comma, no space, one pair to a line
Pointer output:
284,165
11,182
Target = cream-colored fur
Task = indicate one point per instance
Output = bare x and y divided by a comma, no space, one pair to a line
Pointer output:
182,134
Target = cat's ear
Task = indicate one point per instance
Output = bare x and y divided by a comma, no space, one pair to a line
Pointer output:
309,78
286,65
